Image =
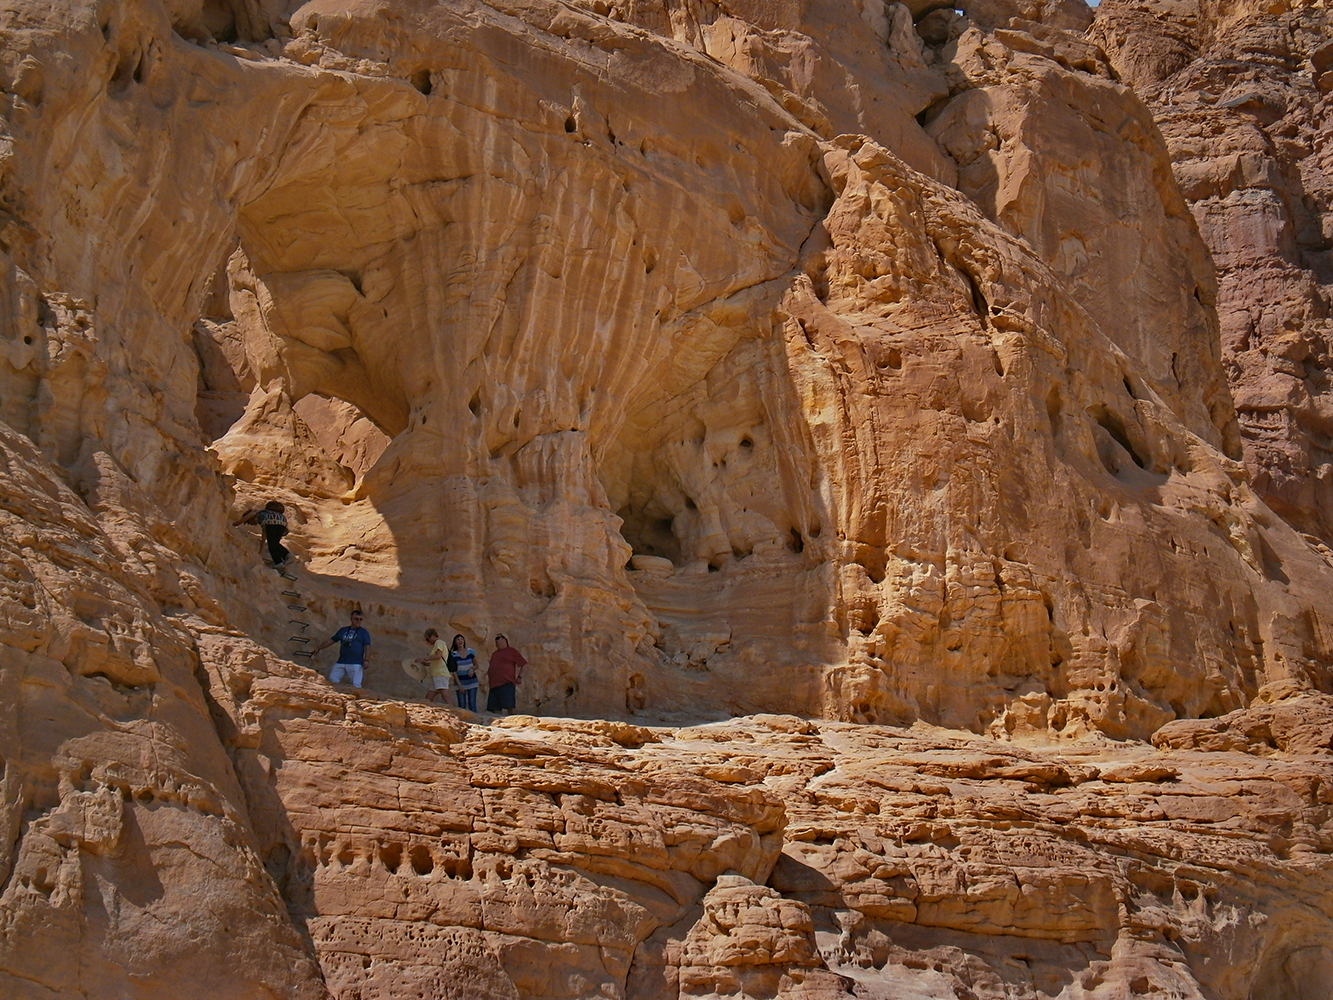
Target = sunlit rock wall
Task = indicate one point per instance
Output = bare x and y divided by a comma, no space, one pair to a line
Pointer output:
1241,93
676,385
858,361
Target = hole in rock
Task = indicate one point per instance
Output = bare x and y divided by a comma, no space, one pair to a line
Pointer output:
27,339
875,562
979,303
1110,423
797,543
746,443
346,434
421,80
219,21
893,358
570,124
422,862
126,70
391,855
474,404
457,868
650,534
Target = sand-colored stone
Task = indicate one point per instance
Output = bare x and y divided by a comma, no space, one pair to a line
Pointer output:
1240,92
847,362
597,325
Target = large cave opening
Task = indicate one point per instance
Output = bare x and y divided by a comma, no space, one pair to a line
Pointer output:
263,431
710,480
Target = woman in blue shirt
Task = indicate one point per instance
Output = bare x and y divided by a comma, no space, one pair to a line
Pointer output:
463,662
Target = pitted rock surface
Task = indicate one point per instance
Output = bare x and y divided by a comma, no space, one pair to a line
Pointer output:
895,446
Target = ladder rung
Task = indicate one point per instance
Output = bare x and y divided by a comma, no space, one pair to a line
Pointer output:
290,593
297,621
297,607
302,652
299,638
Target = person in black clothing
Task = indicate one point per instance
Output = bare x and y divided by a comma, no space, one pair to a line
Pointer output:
273,519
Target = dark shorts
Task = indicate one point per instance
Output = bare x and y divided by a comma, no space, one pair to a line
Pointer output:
501,696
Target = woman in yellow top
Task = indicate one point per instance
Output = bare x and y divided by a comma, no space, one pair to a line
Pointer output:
437,662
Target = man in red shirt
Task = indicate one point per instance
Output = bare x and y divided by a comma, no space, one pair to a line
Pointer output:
506,670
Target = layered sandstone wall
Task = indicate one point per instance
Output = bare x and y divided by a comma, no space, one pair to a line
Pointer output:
853,360
1241,94
191,813
677,397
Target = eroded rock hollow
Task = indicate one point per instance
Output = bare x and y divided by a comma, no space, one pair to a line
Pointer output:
898,448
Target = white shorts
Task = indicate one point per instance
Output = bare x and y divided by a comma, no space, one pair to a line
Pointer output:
439,682
352,670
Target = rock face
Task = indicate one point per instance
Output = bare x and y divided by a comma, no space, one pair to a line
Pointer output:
685,398
1241,95
855,361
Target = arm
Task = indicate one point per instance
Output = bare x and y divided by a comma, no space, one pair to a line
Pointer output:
247,519
325,644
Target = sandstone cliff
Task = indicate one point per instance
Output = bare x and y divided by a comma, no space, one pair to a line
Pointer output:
854,360
1241,95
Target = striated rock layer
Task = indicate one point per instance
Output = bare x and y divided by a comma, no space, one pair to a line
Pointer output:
855,361
1241,93
675,397
225,821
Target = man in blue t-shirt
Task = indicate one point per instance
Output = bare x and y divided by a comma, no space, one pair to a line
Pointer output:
353,653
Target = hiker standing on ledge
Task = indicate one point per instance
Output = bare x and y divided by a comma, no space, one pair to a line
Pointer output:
506,670
437,665
273,519
353,653
463,662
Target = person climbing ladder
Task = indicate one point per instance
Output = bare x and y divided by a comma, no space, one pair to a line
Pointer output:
272,518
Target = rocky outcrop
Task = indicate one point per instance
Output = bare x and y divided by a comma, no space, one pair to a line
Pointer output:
1240,93
186,808
686,401
128,866
849,361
